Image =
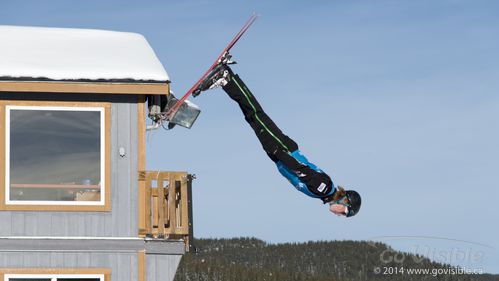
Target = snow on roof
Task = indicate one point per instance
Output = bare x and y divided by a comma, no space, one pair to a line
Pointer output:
77,54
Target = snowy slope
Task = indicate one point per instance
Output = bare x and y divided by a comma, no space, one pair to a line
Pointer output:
77,54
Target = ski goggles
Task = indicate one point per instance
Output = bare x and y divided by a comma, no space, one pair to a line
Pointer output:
345,202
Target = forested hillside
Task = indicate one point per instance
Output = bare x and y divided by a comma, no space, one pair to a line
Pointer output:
250,259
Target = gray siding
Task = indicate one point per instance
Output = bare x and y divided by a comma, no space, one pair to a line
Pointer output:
113,244
161,267
122,220
123,265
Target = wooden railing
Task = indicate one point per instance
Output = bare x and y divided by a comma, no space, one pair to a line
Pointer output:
164,205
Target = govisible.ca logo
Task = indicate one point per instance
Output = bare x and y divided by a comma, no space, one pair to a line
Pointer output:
437,249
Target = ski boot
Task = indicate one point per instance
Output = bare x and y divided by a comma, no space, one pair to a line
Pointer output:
219,76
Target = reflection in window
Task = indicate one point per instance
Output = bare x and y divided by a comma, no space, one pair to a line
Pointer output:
55,154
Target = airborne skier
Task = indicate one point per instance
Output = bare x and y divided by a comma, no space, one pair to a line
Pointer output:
291,163
294,166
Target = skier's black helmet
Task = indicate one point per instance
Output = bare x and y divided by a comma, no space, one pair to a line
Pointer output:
354,201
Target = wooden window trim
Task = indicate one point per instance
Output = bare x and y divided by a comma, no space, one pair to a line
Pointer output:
68,208
56,271
85,87
141,266
141,164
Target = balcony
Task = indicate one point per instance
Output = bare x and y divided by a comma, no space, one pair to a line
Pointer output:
165,210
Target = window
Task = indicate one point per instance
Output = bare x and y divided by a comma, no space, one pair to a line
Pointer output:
54,277
56,155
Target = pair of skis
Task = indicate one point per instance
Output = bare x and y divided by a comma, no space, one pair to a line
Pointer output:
173,110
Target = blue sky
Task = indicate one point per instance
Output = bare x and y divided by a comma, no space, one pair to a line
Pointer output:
396,99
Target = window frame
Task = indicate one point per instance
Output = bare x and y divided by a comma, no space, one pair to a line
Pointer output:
104,274
53,277
83,206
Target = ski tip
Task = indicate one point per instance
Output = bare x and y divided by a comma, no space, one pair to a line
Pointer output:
254,15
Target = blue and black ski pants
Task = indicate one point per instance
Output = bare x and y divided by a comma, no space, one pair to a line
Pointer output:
275,143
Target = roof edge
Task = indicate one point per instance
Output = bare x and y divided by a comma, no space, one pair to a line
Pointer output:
104,87
44,79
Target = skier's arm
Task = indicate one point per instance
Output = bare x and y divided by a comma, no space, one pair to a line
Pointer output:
318,183
288,160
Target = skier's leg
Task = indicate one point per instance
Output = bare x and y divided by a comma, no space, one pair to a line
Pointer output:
270,136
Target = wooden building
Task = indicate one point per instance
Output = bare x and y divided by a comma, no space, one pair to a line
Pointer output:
76,200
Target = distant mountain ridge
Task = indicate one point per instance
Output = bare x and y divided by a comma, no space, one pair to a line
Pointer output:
251,259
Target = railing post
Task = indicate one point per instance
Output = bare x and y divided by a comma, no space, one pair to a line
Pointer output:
184,209
171,203
142,177
190,237
148,198
161,204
